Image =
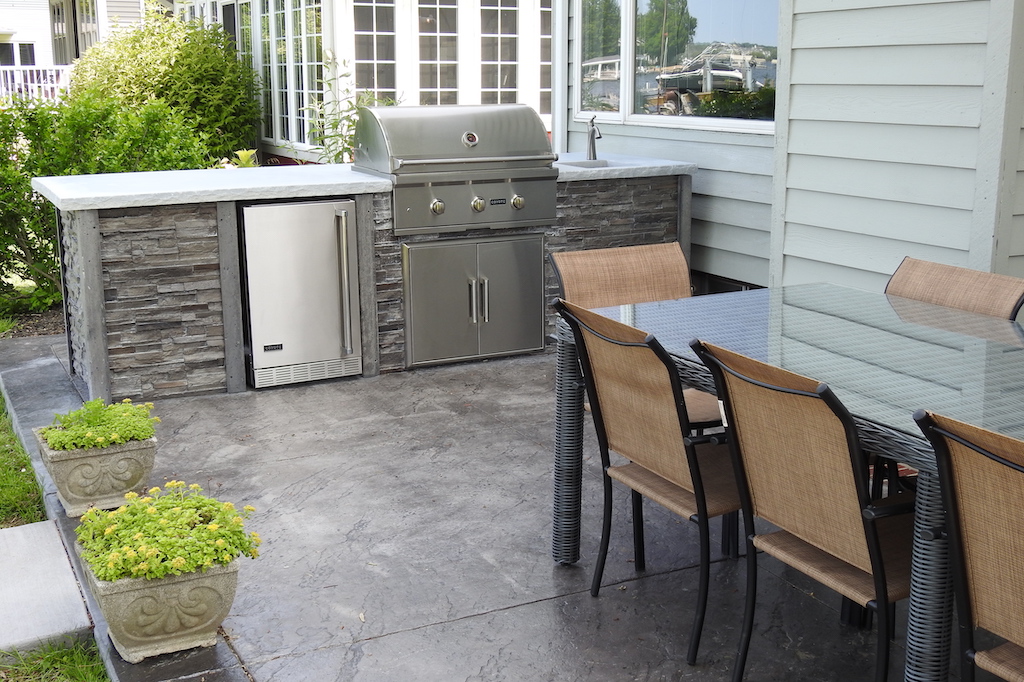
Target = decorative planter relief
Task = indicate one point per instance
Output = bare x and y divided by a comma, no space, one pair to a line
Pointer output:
98,477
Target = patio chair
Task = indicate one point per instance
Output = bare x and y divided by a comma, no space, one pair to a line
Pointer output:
826,524
975,291
600,278
981,475
639,413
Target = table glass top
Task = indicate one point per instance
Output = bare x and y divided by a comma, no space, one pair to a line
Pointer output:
884,356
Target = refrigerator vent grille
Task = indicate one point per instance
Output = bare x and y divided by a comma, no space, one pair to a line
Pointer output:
308,371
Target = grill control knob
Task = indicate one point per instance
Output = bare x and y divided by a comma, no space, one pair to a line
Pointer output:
437,207
478,204
518,201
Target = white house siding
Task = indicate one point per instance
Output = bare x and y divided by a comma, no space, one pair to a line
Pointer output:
124,11
891,146
28,21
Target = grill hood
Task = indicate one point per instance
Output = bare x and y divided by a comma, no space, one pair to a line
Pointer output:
393,141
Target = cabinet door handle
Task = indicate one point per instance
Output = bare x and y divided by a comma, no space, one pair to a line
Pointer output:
341,224
472,300
485,295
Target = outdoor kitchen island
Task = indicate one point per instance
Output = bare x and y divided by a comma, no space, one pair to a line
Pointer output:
152,265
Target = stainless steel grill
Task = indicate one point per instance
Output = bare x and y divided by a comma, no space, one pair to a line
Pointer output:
455,168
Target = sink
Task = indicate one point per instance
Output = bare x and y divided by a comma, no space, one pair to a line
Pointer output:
594,163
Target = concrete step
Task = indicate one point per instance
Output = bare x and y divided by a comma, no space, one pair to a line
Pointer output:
39,595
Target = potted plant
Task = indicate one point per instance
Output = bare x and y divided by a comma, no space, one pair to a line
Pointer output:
162,569
97,453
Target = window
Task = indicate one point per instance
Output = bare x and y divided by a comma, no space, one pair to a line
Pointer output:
27,54
375,47
439,58
291,63
499,68
545,57
6,54
682,58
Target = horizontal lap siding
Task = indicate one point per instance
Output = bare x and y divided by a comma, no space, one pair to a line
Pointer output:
885,102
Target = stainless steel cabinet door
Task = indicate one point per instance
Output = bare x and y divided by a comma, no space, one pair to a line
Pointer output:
441,282
511,295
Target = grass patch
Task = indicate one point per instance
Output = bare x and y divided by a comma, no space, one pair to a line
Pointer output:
75,663
6,325
21,501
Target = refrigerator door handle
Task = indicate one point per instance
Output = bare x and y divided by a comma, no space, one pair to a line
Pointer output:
341,223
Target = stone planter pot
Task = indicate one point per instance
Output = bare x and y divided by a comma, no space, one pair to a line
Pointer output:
98,477
152,617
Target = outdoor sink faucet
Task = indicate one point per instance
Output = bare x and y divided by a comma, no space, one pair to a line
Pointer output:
593,135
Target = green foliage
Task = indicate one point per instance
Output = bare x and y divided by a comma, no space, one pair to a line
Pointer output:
332,122
193,68
664,30
21,501
77,662
601,33
96,425
90,133
752,105
242,158
170,531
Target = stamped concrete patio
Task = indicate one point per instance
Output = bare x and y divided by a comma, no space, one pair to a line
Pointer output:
406,525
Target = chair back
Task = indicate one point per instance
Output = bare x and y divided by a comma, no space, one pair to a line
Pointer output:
795,446
635,393
981,474
599,278
986,293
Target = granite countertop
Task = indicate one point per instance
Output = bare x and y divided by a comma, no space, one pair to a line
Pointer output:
162,188
613,166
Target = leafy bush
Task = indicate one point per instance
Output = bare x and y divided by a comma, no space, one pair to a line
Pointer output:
96,425
193,68
752,105
90,133
171,531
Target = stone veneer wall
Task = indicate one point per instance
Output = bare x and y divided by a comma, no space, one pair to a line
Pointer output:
74,293
590,214
162,300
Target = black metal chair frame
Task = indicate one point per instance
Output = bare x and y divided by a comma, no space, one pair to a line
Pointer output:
730,522
870,513
953,533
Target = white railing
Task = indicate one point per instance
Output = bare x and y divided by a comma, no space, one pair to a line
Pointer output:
33,82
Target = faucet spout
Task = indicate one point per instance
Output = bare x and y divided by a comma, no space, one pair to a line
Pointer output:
593,134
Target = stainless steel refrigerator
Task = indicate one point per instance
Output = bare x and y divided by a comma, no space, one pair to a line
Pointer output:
302,292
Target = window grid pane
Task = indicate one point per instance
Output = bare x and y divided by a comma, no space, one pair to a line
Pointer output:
438,52
375,47
499,23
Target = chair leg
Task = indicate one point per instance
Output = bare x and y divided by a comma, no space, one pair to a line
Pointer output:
885,634
639,556
731,535
748,613
606,530
702,590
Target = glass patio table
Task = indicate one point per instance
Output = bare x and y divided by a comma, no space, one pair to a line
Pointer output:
884,357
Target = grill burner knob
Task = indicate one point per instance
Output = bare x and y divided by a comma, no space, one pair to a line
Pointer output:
437,207
518,201
478,204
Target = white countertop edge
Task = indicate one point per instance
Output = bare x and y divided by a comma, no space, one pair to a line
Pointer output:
626,166
163,188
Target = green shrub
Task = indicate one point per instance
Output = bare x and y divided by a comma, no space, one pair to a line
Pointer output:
170,531
193,68
90,133
96,424
751,105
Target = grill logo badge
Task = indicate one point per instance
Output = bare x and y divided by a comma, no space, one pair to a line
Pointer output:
273,346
